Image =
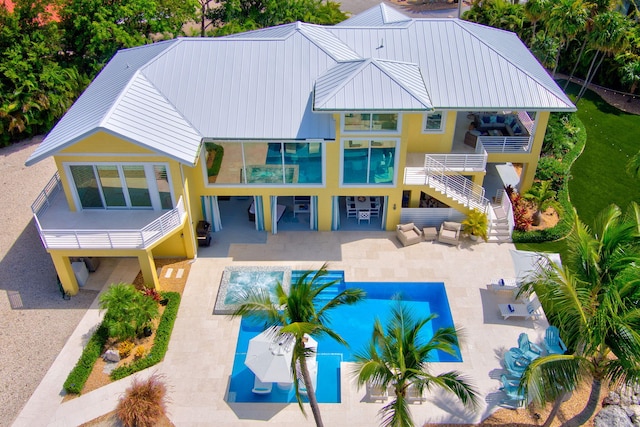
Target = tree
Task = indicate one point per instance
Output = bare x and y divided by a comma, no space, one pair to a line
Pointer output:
398,357
630,72
565,20
594,303
300,311
610,35
543,197
128,311
535,10
35,90
94,30
233,16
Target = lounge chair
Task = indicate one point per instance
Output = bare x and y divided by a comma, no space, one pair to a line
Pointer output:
408,234
503,284
261,388
376,391
414,395
450,233
515,365
552,341
530,310
511,389
530,350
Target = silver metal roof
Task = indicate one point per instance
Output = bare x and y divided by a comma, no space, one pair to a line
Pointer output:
371,84
260,85
377,16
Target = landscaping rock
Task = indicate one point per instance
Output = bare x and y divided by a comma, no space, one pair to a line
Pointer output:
634,412
111,356
612,399
612,416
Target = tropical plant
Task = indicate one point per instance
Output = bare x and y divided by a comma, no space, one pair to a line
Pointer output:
633,167
476,224
144,402
565,19
535,10
398,357
543,197
610,35
302,310
630,72
128,311
594,303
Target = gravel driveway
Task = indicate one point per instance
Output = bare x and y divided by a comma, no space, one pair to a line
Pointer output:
35,321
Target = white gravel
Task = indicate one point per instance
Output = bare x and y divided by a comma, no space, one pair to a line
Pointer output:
35,322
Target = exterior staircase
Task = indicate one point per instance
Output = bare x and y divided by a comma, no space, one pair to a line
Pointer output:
500,219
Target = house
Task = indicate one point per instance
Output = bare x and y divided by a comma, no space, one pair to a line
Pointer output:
411,119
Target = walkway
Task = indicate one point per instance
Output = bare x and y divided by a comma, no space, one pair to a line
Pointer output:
200,357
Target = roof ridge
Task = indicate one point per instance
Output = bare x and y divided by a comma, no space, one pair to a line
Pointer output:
301,29
393,77
344,81
462,25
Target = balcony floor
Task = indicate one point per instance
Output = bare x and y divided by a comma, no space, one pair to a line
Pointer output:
59,217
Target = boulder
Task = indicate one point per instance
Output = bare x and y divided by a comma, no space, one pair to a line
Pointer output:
634,412
612,416
111,355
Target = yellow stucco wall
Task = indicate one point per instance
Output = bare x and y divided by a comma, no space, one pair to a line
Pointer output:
418,141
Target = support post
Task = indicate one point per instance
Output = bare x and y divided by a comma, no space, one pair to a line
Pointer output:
65,273
148,268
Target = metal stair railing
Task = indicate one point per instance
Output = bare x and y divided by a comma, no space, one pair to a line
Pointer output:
455,185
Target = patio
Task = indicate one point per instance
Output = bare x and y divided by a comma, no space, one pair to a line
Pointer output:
200,357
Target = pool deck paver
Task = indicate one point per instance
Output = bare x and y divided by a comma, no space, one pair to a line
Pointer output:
199,361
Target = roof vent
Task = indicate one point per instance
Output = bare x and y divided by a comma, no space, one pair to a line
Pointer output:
381,44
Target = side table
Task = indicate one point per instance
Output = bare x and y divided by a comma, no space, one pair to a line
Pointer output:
429,233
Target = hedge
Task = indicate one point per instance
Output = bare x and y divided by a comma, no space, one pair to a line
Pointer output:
78,377
80,373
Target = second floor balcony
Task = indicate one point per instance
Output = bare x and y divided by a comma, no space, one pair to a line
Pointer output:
61,228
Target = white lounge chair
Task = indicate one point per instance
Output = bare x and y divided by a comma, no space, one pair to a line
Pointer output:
503,284
261,388
530,310
413,395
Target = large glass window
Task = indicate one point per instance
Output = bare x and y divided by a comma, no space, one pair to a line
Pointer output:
434,122
370,122
368,161
106,186
267,163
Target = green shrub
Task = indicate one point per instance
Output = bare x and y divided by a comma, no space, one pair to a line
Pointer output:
161,342
217,161
128,311
552,169
143,403
80,373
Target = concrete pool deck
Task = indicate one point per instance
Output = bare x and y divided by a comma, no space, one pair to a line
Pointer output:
200,358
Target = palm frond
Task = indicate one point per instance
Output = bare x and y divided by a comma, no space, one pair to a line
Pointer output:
546,378
396,414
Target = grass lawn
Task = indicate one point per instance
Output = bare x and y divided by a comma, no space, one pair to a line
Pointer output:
598,176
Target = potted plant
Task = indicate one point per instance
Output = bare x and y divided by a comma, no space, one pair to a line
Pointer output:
475,225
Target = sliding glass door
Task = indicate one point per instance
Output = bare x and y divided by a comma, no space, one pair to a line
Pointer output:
128,186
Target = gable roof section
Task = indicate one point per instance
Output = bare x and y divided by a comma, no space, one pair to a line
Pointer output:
374,85
376,16
87,114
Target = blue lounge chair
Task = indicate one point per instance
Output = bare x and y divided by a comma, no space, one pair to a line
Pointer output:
515,365
530,350
552,341
511,388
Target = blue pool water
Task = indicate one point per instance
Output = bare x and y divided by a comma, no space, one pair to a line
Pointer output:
355,324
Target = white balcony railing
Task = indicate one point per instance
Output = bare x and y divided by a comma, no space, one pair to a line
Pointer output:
462,162
506,144
57,238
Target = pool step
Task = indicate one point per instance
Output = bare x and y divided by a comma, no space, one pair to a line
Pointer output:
332,276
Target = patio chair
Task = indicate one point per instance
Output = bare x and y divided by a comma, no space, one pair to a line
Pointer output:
552,341
450,233
376,391
503,284
414,395
261,388
528,311
515,365
364,216
408,234
530,350
511,389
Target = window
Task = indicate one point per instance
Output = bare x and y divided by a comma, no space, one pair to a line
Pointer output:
109,186
370,122
433,122
368,161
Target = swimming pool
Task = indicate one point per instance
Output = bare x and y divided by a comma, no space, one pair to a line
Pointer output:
355,324
237,280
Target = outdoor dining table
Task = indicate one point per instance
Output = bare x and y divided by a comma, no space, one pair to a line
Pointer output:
367,204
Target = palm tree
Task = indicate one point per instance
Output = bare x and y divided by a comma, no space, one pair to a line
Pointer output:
565,20
543,197
300,311
398,357
128,311
610,35
535,10
594,303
